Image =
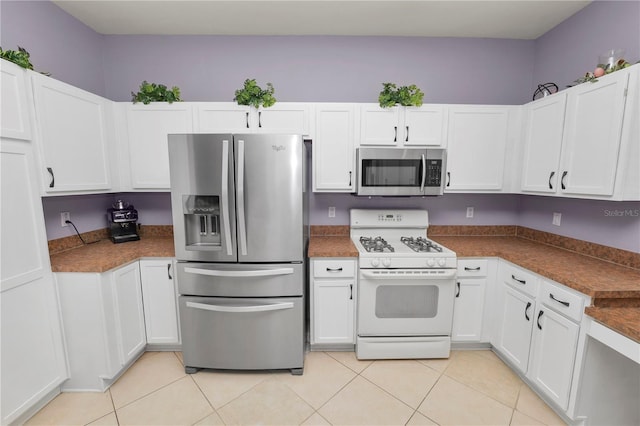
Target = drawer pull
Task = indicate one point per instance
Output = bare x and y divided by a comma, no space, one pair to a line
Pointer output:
559,301
525,311
334,269
466,268
520,281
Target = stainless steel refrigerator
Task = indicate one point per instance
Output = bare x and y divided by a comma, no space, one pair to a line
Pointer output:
240,229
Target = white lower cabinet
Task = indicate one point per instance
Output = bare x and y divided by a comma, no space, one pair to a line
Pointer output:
159,297
515,325
469,304
103,324
333,297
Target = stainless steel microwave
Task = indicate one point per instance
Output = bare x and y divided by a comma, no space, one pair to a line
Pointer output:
400,171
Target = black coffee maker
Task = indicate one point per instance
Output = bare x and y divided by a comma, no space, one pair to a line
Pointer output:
123,222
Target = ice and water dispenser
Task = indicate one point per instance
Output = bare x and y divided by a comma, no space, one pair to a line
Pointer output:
202,222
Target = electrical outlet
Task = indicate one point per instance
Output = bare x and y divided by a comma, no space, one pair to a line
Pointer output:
556,219
469,212
64,216
332,212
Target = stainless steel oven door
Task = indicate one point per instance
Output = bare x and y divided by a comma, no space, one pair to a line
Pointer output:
405,302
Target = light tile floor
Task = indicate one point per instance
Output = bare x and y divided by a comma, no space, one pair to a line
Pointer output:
469,388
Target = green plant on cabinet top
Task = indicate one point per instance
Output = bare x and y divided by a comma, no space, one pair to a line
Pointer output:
253,95
392,95
152,92
19,57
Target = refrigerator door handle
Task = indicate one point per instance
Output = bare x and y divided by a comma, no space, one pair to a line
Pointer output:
258,273
225,196
257,308
242,226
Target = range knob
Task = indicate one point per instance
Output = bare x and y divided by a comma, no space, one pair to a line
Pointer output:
386,262
375,262
431,262
442,262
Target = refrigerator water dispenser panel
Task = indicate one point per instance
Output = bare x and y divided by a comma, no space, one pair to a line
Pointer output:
202,222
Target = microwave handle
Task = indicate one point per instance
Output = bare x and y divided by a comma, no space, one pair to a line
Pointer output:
424,172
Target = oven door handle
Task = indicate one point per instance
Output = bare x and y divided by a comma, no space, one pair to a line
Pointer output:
241,309
411,274
258,273
424,172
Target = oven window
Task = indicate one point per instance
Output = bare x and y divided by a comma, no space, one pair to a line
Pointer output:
406,301
391,172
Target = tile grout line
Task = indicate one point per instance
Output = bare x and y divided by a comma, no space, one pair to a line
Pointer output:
207,399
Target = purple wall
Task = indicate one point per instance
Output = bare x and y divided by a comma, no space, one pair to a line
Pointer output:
58,43
572,48
323,69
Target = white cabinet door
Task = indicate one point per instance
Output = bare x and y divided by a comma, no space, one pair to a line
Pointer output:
15,121
72,135
592,136
127,296
333,148
148,127
553,355
543,143
221,117
379,126
333,311
477,142
515,327
31,343
286,118
159,297
468,310
424,126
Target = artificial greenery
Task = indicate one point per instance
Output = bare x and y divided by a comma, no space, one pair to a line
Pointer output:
152,92
392,95
19,57
608,69
254,95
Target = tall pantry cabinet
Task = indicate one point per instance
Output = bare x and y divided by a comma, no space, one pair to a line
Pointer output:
31,344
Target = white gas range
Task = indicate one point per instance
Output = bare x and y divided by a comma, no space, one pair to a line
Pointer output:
406,286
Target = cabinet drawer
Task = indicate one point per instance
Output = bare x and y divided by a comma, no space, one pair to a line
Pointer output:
520,279
334,268
561,300
472,267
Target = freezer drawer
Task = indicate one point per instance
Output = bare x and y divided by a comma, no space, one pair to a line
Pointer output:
240,280
242,334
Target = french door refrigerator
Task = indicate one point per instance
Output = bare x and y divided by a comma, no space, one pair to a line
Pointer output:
240,232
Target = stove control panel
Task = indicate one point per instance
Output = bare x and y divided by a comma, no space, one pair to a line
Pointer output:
386,262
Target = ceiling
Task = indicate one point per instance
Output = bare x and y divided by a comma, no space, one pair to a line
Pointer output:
515,19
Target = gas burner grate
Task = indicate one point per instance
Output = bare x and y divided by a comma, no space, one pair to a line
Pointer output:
376,245
420,244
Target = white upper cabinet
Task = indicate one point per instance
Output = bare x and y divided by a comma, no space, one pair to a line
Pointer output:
542,143
334,148
402,126
584,142
73,132
147,129
15,120
228,117
477,147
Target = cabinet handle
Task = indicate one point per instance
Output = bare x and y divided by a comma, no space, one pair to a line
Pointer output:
559,301
334,269
520,281
466,268
349,178
564,175
395,133
527,309
247,119
350,291
53,178
458,292
169,271
551,177
448,179
407,138
259,118
538,321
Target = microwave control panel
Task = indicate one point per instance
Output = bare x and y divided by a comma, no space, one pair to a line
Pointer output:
434,173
